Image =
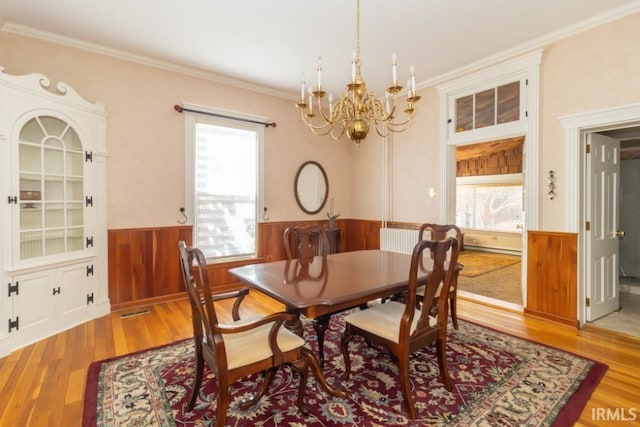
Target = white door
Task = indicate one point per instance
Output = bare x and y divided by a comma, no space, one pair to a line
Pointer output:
603,172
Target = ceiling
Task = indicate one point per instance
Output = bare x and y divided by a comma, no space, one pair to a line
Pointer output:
271,43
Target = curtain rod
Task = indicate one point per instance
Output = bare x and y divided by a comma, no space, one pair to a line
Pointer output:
180,109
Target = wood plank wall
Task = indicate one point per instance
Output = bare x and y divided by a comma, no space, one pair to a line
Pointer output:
144,266
552,285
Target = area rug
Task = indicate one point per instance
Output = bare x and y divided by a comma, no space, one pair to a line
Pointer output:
497,379
478,263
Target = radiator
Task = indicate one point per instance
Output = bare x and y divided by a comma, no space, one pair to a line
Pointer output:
398,240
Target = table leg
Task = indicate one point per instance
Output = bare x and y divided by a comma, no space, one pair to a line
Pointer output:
321,324
317,372
295,325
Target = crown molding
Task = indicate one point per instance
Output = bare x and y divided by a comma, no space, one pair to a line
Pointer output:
534,44
23,30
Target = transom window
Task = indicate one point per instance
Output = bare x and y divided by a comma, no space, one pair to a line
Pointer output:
489,107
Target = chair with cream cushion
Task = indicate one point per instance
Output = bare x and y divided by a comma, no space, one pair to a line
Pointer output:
308,247
439,232
239,348
402,327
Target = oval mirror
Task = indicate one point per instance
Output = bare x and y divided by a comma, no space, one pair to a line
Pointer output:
311,187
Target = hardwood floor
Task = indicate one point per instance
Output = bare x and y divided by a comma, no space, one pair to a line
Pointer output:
43,384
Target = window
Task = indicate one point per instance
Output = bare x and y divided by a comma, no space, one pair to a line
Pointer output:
226,157
488,108
493,204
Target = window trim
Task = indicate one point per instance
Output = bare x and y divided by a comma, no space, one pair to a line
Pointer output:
191,119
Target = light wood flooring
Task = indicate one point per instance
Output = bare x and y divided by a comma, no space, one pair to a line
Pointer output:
43,384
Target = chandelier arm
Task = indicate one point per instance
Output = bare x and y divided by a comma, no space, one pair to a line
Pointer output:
314,128
405,122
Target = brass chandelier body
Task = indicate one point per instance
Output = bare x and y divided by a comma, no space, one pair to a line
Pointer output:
357,110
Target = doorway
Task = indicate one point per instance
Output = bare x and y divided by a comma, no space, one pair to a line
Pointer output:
576,127
625,317
489,208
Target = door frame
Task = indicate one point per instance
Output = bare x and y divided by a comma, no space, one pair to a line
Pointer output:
576,127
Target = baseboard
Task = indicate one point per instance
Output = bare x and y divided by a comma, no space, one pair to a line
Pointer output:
552,317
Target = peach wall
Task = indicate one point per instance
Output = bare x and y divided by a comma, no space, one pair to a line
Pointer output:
591,70
145,136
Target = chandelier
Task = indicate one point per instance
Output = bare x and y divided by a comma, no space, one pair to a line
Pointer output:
357,110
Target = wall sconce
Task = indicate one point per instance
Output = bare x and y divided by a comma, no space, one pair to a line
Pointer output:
552,185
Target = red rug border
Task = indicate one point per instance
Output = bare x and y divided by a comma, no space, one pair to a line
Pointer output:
568,415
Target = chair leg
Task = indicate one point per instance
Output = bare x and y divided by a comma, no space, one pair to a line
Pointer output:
453,303
266,382
199,371
346,338
302,366
321,324
405,385
441,349
223,402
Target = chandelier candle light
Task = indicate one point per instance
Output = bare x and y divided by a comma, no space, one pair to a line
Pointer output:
357,110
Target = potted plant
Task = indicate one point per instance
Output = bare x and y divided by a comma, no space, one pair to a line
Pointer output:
332,219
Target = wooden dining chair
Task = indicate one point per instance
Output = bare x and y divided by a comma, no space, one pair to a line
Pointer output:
401,327
439,232
242,347
304,244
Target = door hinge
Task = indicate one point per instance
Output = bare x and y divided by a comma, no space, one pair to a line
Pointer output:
90,298
89,241
588,148
88,156
56,291
88,201
89,270
526,114
588,302
12,199
526,82
587,226
14,324
14,288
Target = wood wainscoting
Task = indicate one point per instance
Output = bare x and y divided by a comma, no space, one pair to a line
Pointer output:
552,285
144,266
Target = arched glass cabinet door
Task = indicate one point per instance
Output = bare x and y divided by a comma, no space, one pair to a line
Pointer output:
50,159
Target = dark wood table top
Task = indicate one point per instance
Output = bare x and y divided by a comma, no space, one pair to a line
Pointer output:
332,283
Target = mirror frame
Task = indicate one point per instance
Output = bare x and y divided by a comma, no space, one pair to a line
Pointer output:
295,187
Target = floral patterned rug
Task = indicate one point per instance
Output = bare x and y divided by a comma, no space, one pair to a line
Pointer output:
497,379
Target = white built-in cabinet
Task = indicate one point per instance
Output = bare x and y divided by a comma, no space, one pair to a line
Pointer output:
53,240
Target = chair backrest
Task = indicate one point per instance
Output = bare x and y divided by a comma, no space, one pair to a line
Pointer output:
440,251
439,232
203,311
307,242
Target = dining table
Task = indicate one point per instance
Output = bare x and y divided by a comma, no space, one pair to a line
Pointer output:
323,285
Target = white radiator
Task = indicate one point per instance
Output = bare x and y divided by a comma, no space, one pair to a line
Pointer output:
398,240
